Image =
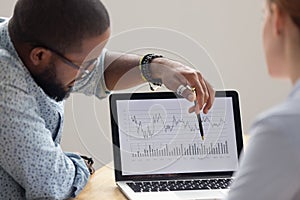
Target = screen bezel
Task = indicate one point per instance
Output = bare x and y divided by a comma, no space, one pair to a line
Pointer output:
167,95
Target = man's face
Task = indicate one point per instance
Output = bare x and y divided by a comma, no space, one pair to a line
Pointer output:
58,77
50,84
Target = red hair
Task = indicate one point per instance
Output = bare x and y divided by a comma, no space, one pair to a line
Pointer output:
292,7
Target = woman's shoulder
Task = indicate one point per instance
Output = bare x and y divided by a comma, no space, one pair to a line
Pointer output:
283,117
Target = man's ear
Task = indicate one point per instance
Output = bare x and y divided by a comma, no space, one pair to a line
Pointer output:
279,18
40,56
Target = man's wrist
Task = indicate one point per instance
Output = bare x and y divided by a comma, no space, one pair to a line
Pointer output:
157,66
89,163
146,63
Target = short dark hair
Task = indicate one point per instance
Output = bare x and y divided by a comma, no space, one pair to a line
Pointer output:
59,24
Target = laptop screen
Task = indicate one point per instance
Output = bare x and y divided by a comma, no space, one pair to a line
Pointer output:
156,134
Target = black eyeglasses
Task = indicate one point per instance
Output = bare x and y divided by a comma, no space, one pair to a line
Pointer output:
84,69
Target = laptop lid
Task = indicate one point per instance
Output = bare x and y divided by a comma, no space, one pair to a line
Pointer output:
154,137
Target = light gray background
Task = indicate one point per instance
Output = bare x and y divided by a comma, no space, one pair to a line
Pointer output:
229,30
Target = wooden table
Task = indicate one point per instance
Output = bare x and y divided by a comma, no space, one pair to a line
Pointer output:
101,186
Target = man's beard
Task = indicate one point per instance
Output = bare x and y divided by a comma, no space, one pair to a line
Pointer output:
47,80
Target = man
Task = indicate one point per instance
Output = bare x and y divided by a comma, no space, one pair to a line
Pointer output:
45,48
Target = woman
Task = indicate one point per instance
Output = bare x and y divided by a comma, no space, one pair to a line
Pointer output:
270,167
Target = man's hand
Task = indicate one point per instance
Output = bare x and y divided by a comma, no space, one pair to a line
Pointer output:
182,79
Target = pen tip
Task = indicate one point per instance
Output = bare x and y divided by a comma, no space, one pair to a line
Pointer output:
202,137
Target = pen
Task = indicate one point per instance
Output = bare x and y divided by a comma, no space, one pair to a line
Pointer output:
199,120
200,124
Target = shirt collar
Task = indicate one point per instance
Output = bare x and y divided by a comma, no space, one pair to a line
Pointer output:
7,44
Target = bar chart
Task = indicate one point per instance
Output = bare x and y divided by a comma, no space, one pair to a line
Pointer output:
167,150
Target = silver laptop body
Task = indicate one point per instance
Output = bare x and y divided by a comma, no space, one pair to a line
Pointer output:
158,150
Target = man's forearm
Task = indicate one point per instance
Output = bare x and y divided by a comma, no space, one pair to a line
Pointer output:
122,71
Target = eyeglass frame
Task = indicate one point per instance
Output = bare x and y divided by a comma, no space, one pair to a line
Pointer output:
83,71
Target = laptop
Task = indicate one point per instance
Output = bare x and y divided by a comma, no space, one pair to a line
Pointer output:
158,150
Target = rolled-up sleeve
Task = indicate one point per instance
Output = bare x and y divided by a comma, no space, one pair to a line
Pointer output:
94,83
29,154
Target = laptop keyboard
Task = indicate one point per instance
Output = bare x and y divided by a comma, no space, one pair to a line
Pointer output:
159,186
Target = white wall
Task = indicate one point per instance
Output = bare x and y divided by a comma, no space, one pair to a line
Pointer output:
229,30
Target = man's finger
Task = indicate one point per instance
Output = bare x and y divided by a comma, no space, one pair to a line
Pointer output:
211,98
186,92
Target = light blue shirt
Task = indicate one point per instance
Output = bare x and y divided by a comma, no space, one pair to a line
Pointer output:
270,166
32,163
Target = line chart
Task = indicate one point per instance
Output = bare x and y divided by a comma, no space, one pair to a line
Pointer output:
148,128
163,135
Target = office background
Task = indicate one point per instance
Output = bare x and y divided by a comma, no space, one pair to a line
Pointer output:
229,31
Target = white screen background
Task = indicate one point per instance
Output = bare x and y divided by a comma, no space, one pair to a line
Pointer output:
159,136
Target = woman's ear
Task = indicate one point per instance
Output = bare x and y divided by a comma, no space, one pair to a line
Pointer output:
39,56
278,19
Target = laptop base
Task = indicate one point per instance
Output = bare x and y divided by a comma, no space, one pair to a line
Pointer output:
176,195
